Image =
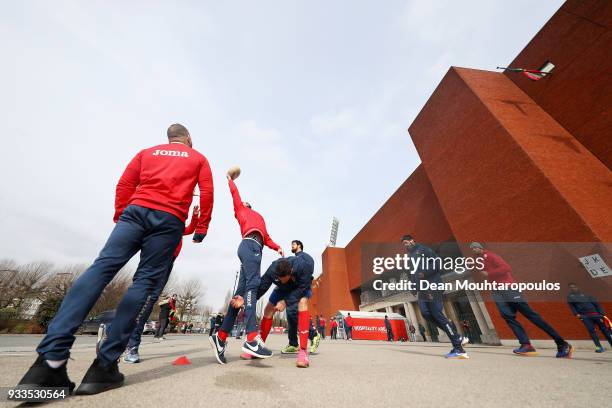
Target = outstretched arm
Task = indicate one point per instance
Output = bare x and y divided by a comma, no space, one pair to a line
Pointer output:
235,195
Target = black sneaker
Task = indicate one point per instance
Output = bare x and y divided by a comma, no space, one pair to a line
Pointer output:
41,375
256,348
100,378
218,346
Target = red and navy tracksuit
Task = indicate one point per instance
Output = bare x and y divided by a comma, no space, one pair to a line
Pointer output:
348,327
431,302
298,287
591,313
509,302
255,236
152,202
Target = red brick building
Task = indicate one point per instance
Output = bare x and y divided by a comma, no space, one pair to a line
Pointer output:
504,159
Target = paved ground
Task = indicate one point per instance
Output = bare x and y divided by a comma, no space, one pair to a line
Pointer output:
357,374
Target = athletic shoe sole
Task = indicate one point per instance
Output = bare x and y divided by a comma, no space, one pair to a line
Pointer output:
96,388
254,354
130,362
527,354
289,352
460,357
215,352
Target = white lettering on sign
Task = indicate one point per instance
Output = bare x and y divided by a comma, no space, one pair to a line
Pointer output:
595,266
174,153
370,328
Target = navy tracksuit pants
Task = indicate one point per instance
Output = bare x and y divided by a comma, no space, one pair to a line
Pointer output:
155,234
249,253
432,309
144,314
509,302
590,322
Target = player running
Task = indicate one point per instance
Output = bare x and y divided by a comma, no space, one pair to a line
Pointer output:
254,237
509,302
431,301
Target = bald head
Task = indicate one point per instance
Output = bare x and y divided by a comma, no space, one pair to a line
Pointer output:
179,133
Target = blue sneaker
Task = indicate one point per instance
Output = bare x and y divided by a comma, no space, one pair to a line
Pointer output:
526,350
256,348
131,356
457,353
600,349
565,350
218,346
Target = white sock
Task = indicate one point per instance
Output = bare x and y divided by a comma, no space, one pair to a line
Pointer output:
56,363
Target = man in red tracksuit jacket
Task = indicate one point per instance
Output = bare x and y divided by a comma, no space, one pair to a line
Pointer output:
509,302
254,237
152,202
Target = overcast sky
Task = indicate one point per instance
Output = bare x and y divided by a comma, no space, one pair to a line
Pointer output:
311,98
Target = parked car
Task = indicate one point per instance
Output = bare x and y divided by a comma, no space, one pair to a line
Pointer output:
150,327
90,326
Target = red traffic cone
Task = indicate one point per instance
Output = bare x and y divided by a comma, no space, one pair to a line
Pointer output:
182,360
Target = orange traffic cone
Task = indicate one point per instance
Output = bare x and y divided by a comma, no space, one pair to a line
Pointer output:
182,360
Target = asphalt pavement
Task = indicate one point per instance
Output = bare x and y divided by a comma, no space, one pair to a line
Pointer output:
348,374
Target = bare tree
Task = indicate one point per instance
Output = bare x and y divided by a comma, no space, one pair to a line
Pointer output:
58,283
27,284
190,295
8,272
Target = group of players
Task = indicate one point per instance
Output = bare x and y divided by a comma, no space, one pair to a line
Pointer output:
152,202
153,197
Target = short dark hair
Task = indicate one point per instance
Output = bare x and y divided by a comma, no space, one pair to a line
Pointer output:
299,243
407,237
283,268
572,283
177,130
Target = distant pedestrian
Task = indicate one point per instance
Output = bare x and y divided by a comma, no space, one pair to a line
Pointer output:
334,328
389,328
465,325
422,331
412,331
587,309
322,323
348,327
212,326
166,306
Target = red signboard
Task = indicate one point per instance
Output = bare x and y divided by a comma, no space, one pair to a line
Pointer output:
374,329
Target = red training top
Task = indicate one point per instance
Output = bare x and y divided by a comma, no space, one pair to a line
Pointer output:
249,220
498,270
334,324
163,178
349,321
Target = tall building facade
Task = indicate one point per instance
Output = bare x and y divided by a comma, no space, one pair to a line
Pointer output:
505,159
